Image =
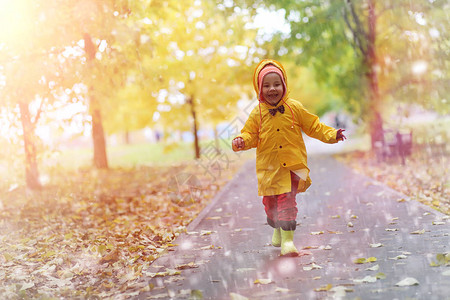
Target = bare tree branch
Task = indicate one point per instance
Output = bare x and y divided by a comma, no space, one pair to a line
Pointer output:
358,32
356,43
38,114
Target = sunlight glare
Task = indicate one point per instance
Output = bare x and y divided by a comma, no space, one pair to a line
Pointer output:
419,67
15,21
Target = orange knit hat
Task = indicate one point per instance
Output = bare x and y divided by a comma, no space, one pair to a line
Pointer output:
266,70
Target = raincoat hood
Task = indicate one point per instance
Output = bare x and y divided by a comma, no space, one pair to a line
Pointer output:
256,83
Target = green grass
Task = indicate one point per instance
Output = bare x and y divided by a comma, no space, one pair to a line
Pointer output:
12,169
131,155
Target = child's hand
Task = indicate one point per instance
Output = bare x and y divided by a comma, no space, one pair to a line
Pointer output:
340,136
238,144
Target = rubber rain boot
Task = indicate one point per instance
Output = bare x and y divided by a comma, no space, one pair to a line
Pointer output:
276,237
287,243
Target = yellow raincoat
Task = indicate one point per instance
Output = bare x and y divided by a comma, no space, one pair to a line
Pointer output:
278,140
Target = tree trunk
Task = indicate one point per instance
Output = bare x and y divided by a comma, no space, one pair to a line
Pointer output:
216,140
98,135
31,169
375,120
196,143
127,137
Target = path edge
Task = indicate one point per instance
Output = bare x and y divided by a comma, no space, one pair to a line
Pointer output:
408,199
192,225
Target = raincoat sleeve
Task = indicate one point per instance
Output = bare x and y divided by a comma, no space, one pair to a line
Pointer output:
312,126
250,132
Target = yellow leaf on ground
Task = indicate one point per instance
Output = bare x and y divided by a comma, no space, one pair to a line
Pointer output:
7,256
263,281
324,288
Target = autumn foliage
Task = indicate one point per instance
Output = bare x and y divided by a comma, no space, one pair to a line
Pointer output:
95,232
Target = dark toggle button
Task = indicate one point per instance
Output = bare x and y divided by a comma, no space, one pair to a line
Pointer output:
278,129
284,164
281,146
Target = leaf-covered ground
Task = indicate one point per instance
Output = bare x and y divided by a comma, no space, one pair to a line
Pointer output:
91,233
424,177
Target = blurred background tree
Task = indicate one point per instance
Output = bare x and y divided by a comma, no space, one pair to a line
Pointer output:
367,53
118,66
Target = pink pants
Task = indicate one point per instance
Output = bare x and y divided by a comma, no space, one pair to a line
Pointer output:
281,210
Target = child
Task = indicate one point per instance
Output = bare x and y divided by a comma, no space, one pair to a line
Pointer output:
275,128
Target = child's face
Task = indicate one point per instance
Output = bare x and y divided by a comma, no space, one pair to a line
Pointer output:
272,88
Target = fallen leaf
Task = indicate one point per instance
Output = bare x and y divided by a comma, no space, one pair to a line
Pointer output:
374,268
391,229
340,291
190,265
442,260
316,232
196,294
366,279
312,267
281,290
8,257
380,275
310,247
438,223
327,247
335,217
263,281
207,232
401,256
361,260
335,232
110,258
418,231
324,288
365,260
377,245
235,296
350,224
26,286
214,218
207,247
407,282
446,273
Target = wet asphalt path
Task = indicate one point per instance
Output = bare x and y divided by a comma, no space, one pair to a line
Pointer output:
228,246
